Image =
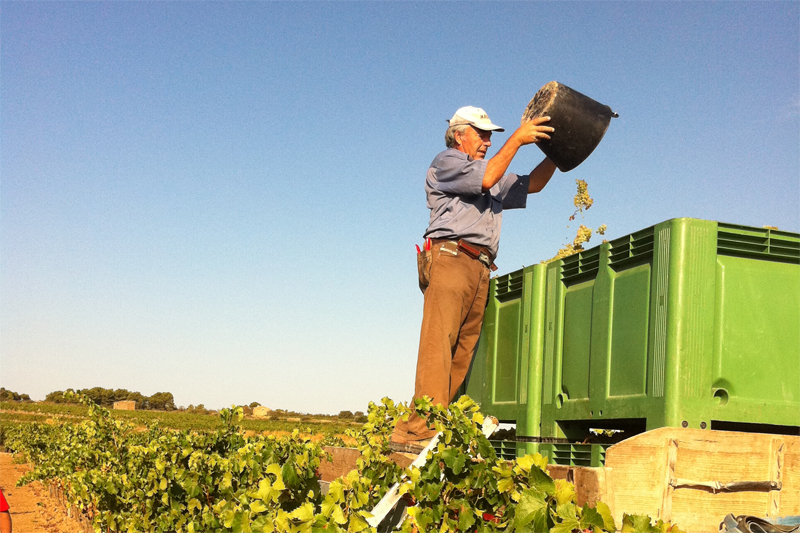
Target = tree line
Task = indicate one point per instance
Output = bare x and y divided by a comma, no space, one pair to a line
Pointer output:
161,401
9,396
164,401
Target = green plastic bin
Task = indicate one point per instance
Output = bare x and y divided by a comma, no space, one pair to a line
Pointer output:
689,323
506,376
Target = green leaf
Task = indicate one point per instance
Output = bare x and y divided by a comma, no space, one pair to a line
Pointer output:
454,459
304,513
667,527
525,463
327,507
532,508
264,489
539,480
486,450
591,518
289,475
465,519
565,492
636,524
336,491
608,520
505,484
568,519
338,515
257,506
357,523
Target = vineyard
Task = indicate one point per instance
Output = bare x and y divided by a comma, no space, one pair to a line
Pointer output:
14,412
124,478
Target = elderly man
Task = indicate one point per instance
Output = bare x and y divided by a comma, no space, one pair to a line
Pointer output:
466,196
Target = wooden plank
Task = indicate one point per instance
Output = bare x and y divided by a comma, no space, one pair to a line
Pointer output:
343,460
670,453
670,473
590,483
776,474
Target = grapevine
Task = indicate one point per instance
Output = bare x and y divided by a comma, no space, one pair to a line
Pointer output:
163,480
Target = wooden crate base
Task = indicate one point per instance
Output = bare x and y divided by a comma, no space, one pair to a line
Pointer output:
691,477
694,477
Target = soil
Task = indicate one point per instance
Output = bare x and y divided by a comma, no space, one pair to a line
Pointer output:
31,507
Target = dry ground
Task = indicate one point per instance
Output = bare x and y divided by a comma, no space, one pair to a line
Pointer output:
32,509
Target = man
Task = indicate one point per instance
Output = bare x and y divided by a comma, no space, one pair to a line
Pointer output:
466,196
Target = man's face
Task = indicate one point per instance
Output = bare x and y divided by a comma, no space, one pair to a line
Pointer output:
474,142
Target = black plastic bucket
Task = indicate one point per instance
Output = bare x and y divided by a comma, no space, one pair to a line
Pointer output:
579,121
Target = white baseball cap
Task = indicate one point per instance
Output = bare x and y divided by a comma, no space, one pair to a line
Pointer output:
474,116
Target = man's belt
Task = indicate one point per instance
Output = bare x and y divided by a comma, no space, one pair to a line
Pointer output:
481,253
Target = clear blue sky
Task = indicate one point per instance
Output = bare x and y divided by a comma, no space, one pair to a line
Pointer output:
221,200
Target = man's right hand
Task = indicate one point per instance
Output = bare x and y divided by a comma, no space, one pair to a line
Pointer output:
532,131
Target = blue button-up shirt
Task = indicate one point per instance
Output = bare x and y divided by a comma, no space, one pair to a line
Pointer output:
460,209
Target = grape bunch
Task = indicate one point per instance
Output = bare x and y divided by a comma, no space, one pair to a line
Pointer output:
582,202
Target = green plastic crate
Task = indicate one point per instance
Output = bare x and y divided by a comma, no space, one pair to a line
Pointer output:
505,449
689,323
506,376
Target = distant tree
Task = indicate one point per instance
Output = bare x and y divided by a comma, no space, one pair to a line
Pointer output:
139,398
360,417
199,409
106,397
254,405
7,395
345,414
247,410
56,397
162,401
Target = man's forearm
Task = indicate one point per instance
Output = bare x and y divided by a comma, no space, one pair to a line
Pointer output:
541,175
531,132
497,166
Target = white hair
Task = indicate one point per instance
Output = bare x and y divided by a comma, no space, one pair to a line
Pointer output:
450,134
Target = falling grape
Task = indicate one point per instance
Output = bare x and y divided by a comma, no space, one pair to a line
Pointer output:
582,203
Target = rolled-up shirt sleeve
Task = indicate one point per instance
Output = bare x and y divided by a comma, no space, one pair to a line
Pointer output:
452,175
512,190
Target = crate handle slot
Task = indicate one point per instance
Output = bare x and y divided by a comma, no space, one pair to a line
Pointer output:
733,486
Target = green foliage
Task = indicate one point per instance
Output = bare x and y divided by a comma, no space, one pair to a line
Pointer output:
162,480
7,395
180,420
162,401
464,486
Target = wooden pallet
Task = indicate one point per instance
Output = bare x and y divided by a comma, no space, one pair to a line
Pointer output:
694,477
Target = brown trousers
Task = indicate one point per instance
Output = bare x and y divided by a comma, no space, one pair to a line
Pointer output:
455,301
